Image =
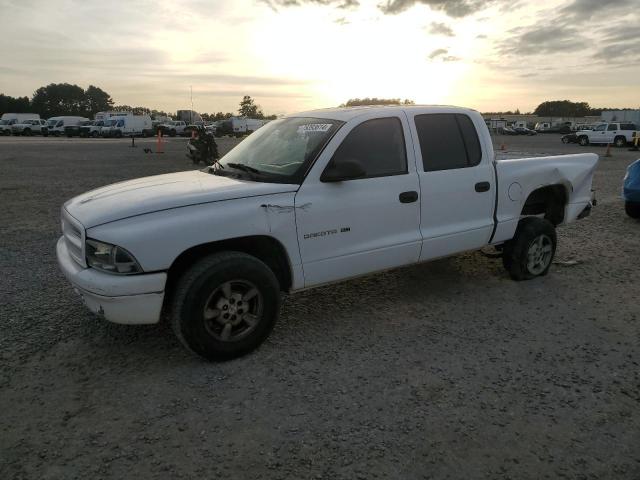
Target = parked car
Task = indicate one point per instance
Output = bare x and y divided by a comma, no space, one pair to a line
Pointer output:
136,125
618,134
30,127
172,128
5,127
58,124
9,119
92,129
524,131
508,131
570,138
75,130
307,200
631,190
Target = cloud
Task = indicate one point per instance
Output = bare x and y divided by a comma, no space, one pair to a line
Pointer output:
342,4
441,54
437,53
453,8
438,28
547,39
581,10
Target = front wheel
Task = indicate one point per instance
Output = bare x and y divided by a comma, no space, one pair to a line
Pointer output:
225,305
632,209
584,141
565,140
620,142
530,252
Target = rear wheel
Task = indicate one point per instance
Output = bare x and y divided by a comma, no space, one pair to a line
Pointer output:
27,132
632,209
95,134
565,139
530,253
225,305
172,133
620,141
583,140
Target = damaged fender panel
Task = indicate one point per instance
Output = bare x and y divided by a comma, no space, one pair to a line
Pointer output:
518,178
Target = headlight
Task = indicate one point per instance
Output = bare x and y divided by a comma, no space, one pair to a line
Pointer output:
110,258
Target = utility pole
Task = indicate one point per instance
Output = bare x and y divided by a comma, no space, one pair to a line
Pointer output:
191,112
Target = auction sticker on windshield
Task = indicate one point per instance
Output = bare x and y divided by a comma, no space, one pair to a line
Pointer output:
314,127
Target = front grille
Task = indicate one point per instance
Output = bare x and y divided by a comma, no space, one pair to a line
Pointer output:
73,233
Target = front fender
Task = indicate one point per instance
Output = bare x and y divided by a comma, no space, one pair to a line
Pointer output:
157,239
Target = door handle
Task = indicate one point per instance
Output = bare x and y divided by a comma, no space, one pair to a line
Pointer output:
483,187
408,197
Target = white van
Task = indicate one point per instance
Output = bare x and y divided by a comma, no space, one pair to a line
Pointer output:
9,119
57,124
126,126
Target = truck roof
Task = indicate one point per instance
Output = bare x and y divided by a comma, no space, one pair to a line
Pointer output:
347,113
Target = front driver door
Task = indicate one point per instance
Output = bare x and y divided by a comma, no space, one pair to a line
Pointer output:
348,228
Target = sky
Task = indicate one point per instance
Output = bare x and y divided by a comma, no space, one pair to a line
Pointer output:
295,55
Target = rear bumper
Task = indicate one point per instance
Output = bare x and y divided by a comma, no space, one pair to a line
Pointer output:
126,299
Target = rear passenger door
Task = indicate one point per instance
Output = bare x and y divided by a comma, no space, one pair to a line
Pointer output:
457,184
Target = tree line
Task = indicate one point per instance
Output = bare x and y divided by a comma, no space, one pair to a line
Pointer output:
68,99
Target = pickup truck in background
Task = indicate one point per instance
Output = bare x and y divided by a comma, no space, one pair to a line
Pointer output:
618,134
310,199
30,127
172,128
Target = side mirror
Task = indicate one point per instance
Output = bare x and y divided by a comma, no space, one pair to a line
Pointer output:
345,170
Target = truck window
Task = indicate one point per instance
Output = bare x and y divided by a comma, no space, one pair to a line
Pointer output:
378,145
447,141
612,127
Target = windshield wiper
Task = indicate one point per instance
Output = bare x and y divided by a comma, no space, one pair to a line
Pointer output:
244,168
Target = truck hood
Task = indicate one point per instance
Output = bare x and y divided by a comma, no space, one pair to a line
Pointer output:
163,192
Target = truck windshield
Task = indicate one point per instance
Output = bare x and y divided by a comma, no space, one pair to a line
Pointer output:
282,149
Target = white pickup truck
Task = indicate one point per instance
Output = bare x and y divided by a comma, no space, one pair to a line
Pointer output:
313,198
618,134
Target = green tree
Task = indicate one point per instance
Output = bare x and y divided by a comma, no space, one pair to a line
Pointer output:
59,99
248,108
96,100
563,108
10,104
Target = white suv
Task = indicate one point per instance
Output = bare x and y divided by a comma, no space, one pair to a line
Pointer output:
619,134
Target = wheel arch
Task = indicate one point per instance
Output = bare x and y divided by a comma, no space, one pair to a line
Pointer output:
549,200
265,248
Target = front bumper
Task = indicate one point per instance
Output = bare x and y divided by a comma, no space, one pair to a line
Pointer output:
126,299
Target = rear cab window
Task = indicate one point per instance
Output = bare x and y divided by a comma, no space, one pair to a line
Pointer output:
447,141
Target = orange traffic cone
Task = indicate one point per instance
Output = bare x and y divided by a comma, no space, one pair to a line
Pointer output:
608,152
160,146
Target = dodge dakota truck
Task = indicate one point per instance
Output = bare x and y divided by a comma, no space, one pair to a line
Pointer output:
306,200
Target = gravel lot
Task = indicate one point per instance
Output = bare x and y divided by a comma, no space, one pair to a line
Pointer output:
443,370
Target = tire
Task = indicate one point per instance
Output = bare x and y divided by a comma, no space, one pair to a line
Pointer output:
95,134
221,281
530,253
632,209
620,142
27,132
565,140
172,133
118,134
584,141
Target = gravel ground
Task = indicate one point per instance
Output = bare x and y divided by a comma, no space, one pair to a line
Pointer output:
443,370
